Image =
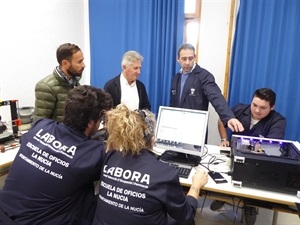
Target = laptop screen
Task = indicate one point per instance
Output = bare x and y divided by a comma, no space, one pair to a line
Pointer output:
181,130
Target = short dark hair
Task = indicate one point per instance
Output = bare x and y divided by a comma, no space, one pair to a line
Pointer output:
185,46
85,103
66,51
266,94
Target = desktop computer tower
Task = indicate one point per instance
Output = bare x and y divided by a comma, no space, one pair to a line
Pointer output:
268,164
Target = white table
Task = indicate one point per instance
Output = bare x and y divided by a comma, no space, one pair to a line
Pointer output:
213,190
6,159
228,192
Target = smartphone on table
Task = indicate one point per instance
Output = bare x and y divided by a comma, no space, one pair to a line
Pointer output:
217,177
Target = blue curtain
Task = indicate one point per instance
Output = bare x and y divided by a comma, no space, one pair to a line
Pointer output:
266,53
152,27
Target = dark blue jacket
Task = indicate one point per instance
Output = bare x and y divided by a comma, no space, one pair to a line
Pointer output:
51,179
272,126
113,87
200,88
137,190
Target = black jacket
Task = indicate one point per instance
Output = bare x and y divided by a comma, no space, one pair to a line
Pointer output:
113,87
51,180
141,190
272,126
199,89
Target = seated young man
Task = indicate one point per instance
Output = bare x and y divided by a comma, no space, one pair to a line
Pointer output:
259,120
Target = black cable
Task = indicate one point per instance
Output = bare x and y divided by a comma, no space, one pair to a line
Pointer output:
205,152
229,173
203,202
214,159
204,166
236,212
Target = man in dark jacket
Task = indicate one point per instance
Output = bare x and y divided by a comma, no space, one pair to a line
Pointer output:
259,120
52,91
194,87
51,180
126,88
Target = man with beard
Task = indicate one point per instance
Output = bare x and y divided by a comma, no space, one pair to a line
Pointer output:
51,92
51,180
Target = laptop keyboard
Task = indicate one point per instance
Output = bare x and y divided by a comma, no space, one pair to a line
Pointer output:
182,170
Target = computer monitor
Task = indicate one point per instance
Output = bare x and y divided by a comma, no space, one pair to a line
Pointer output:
182,132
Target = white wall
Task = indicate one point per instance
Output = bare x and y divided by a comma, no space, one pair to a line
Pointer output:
212,51
32,30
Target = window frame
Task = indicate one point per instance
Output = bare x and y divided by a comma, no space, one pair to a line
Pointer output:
197,11
193,17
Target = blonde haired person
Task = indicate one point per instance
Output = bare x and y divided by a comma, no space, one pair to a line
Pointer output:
135,187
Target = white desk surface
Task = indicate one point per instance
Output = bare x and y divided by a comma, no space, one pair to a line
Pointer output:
228,188
8,156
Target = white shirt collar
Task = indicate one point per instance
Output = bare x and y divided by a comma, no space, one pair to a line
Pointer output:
129,93
124,81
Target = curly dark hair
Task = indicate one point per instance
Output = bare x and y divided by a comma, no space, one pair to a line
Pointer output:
85,103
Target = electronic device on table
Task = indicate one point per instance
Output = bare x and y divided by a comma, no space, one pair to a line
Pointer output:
7,134
266,163
182,132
